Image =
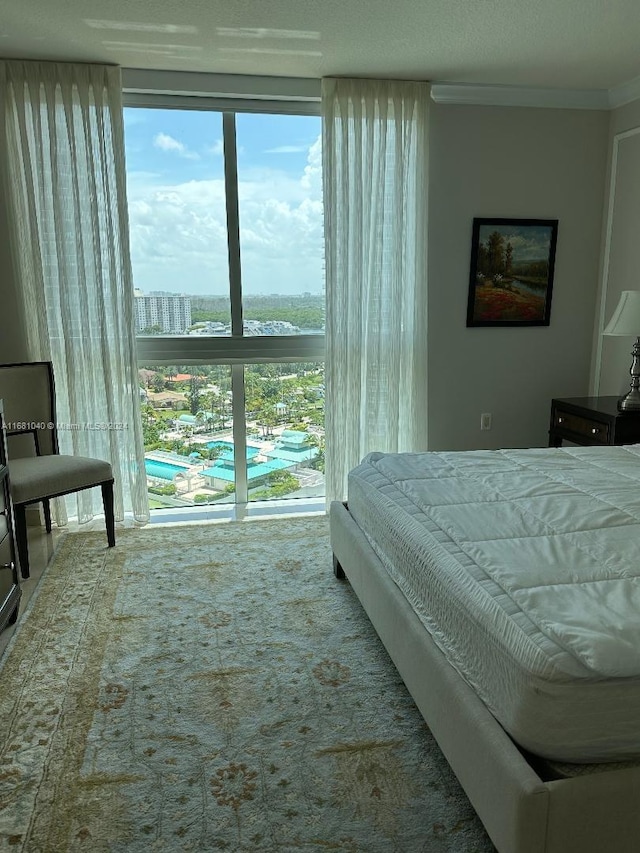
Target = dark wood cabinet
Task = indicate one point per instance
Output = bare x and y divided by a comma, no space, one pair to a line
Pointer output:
592,421
9,575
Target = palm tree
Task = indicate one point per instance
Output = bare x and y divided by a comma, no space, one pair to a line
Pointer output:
318,461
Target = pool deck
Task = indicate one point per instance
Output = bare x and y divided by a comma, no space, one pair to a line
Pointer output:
196,482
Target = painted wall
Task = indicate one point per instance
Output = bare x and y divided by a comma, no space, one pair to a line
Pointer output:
524,163
620,268
488,161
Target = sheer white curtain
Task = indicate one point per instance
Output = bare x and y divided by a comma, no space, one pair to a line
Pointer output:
375,204
65,183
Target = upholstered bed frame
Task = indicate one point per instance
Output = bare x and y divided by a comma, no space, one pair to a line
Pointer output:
597,812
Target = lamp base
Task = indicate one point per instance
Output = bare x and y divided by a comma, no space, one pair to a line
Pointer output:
630,402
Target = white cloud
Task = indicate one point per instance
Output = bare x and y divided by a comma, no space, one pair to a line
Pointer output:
179,238
217,149
312,177
167,143
286,149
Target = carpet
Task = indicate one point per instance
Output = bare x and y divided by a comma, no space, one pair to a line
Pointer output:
204,688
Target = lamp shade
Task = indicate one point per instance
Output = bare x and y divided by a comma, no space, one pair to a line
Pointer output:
626,318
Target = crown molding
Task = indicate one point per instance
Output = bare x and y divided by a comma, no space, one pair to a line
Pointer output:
624,94
520,96
183,83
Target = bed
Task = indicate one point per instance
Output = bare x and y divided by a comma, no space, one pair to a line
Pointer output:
505,586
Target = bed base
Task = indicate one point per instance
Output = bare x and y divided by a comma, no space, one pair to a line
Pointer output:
522,813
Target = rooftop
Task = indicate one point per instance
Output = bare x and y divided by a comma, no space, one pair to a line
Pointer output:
254,470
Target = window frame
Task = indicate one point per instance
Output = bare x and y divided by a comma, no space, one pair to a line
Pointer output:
228,95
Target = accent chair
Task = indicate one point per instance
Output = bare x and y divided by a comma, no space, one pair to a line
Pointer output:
38,472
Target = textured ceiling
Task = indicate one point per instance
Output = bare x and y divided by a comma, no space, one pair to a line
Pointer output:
575,44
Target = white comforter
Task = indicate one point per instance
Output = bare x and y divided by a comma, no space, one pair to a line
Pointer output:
530,553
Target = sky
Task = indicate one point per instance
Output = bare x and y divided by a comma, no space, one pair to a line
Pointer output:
529,242
177,212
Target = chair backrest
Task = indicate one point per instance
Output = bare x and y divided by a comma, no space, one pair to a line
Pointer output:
28,396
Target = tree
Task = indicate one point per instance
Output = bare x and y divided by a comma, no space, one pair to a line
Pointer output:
150,432
317,463
278,483
253,391
267,422
508,260
214,452
157,383
483,260
194,395
223,411
270,389
495,252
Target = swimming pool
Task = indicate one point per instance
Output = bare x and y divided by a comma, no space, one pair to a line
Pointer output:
227,448
163,470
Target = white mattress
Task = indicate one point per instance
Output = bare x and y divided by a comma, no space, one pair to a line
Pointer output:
524,565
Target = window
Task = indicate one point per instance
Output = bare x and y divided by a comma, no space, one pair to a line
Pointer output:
226,229
177,216
281,226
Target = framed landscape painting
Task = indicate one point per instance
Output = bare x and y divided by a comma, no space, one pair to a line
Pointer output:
511,275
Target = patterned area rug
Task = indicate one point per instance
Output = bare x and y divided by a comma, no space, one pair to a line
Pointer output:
204,688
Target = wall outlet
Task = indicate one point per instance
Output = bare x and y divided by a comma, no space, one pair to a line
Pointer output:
485,420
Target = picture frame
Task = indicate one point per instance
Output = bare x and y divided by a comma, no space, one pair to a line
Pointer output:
511,273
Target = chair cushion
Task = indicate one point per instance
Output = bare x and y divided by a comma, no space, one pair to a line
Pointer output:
36,477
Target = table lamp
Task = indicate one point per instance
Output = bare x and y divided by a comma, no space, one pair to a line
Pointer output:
626,321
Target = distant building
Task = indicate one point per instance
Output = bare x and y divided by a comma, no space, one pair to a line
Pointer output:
179,377
211,327
222,471
201,421
294,447
167,399
170,314
251,328
186,421
270,327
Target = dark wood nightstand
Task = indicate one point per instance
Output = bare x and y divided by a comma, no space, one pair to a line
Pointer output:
592,420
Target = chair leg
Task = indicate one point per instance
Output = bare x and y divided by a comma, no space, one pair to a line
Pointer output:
20,516
46,509
107,503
